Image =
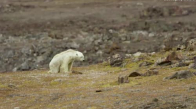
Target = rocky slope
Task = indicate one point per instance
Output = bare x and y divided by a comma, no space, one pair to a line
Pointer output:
29,42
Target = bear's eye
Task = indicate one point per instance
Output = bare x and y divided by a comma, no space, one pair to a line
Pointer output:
76,54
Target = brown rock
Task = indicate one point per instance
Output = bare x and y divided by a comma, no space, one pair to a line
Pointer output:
114,47
179,64
134,74
192,65
99,90
163,61
168,60
76,72
145,64
123,79
191,45
151,72
116,60
173,56
184,74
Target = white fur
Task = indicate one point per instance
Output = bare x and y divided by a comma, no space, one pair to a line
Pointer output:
62,62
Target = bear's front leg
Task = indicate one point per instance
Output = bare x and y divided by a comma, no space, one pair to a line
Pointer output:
64,67
70,66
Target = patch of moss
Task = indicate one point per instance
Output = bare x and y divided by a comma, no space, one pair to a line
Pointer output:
48,79
133,65
132,83
72,102
93,107
29,83
179,68
109,68
2,85
106,85
54,83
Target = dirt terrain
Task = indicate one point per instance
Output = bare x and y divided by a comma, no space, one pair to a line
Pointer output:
33,31
97,87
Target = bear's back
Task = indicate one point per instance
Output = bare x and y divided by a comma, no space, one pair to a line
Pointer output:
68,52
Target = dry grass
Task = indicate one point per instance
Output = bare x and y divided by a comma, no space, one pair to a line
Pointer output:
38,89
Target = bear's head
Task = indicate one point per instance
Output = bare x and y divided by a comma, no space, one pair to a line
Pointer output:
79,56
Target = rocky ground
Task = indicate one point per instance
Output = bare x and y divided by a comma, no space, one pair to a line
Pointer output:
138,54
146,81
32,32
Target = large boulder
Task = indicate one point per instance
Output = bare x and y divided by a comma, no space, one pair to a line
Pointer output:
116,60
123,79
184,74
173,56
191,45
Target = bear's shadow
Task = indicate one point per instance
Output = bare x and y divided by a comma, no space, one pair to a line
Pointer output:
76,72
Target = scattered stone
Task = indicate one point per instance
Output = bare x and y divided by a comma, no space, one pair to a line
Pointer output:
151,72
164,11
192,66
134,74
41,59
180,64
173,56
116,60
123,79
146,63
146,36
151,105
155,100
11,86
151,54
137,54
191,45
15,69
25,66
2,38
128,55
184,74
191,88
163,62
168,60
181,47
99,90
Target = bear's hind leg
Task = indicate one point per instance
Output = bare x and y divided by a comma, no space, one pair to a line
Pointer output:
54,69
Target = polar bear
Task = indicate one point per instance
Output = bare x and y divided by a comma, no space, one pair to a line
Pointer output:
62,62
